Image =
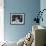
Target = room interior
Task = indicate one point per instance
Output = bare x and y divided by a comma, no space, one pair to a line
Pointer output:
14,33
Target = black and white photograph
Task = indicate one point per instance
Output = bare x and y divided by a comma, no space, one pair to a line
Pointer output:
17,18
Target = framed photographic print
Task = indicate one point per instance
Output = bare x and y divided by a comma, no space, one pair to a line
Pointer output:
17,18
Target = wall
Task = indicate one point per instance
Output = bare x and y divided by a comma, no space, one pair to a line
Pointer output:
29,7
43,6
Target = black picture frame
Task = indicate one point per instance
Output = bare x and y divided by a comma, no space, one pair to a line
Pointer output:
17,18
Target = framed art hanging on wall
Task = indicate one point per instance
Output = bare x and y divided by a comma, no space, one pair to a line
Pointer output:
17,18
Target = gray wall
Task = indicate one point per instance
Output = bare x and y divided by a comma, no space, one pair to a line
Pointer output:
29,7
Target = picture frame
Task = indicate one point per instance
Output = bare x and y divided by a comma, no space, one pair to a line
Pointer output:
17,18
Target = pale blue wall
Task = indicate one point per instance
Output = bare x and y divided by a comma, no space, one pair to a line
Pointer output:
43,6
29,7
